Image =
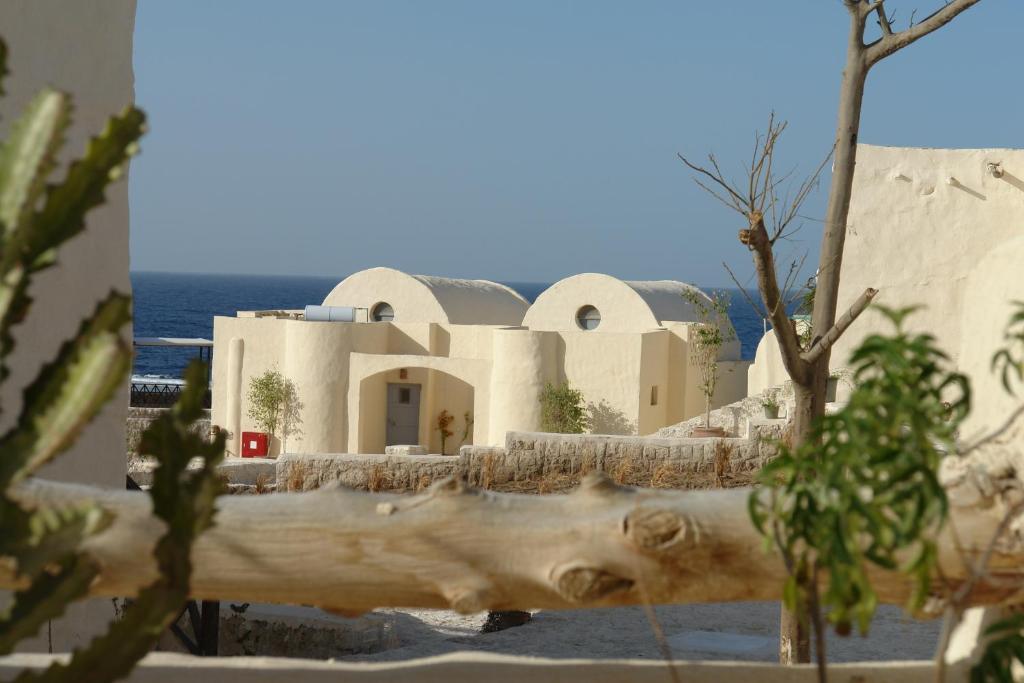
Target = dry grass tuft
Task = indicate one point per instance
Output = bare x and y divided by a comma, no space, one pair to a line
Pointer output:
261,484
588,465
665,476
624,471
297,476
487,472
723,461
378,479
424,483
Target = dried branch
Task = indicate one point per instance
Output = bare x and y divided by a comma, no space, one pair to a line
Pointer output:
823,344
996,433
890,43
883,21
743,290
794,270
757,240
736,202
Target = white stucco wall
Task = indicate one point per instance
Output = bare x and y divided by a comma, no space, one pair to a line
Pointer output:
988,292
927,227
917,238
86,50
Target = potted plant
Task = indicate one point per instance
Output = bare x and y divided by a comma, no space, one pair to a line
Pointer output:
274,407
713,330
771,407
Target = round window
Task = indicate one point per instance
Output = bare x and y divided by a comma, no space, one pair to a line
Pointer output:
588,318
382,313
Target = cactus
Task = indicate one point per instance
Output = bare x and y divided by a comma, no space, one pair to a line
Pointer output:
43,543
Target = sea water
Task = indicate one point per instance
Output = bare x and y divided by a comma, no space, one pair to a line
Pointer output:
184,304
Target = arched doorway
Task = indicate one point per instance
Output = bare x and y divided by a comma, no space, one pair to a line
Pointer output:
405,406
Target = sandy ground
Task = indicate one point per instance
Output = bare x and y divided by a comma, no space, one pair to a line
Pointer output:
746,631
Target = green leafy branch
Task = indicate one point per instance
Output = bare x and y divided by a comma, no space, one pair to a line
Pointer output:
863,491
185,500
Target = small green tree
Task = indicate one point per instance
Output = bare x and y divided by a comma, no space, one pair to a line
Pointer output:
274,404
709,335
562,410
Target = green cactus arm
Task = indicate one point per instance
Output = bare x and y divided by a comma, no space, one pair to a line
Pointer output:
29,155
45,599
185,499
48,534
65,206
68,392
33,245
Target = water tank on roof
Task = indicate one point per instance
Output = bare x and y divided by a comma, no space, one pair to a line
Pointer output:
333,314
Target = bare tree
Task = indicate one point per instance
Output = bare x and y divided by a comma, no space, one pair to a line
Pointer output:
769,218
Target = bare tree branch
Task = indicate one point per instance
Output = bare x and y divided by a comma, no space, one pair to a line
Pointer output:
788,287
746,295
756,239
996,433
893,42
883,21
737,203
832,336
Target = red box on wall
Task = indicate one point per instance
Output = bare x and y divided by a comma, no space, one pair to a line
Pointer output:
254,444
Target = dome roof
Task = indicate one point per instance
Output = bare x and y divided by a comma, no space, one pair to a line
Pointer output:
624,306
427,298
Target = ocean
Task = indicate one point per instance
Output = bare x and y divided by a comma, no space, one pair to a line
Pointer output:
183,305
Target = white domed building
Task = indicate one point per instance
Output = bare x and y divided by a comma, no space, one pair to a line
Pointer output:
386,352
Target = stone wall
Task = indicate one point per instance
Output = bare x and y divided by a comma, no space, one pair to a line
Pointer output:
303,472
139,419
530,457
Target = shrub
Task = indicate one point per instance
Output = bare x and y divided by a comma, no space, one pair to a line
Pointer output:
274,403
713,330
562,410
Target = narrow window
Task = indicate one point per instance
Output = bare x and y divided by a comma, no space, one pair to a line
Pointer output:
404,395
588,318
382,313
654,395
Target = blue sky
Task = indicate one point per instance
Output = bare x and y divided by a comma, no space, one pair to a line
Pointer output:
518,141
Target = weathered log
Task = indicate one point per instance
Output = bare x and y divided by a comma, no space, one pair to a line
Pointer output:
471,550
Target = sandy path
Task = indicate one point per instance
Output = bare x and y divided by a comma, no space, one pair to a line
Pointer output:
717,631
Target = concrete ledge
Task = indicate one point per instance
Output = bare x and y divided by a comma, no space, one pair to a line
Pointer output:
471,666
249,470
405,450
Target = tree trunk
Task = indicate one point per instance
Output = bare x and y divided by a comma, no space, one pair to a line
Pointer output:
794,643
794,629
470,550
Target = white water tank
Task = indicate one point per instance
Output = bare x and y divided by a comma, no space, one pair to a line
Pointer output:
333,314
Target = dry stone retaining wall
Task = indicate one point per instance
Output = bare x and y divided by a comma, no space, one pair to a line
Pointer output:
528,457
302,472
139,419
